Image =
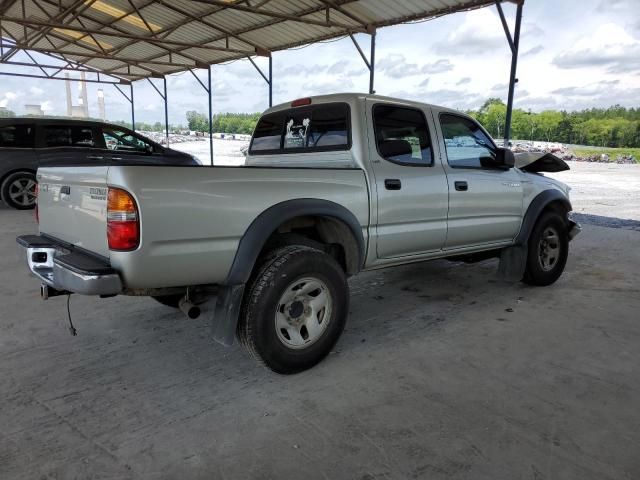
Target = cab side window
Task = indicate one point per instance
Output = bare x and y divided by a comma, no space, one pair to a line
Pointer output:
466,143
63,136
402,135
16,136
125,141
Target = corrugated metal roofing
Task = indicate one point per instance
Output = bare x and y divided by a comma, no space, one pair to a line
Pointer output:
134,39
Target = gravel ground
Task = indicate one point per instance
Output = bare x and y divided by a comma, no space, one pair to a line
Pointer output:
604,194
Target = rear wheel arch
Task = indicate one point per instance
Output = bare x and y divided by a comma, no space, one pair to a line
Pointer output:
16,170
320,222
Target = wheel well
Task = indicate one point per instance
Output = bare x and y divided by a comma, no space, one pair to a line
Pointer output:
2,179
324,233
559,207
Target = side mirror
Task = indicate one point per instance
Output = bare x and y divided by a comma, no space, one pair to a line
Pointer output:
505,158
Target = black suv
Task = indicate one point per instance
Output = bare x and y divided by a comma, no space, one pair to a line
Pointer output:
29,143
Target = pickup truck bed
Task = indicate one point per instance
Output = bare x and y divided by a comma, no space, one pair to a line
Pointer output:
194,217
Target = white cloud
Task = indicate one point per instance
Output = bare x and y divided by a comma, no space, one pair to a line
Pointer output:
609,46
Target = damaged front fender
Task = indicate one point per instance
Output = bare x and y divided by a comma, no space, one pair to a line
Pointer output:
534,162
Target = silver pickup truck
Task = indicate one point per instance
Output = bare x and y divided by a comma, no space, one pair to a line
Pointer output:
333,185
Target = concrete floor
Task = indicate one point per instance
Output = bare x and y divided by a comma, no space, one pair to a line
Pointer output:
443,373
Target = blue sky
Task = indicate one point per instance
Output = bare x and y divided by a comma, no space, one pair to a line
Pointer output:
574,54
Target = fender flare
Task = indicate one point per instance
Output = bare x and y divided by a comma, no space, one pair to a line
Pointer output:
537,205
230,294
267,222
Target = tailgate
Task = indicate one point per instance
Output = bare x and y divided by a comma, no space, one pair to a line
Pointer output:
72,206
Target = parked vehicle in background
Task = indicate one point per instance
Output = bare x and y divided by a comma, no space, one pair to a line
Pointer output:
334,185
29,143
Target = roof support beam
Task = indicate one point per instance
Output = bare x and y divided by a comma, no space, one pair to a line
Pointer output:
514,44
369,62
166,106
208,89
283,16
268,79
25,75
345,12
118,34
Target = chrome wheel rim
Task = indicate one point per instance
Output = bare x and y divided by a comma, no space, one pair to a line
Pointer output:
549,249
303,312
23,192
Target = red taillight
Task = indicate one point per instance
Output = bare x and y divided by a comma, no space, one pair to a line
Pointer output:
300,102
123,227
35,211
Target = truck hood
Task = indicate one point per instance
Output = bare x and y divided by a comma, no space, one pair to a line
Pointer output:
540,162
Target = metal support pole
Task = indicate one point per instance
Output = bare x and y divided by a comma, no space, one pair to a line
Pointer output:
270,81
512,77
210,114
166,110
372,63
133,112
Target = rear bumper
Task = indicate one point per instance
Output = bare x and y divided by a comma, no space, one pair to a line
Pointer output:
63,268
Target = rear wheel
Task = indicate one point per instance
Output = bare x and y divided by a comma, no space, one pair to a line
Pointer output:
295,309
18,190
548,250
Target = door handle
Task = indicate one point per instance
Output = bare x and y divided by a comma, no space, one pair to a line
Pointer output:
392,184
94,157
117,159
461,186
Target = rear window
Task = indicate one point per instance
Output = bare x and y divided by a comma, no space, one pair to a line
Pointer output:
16,136
72,136
306,129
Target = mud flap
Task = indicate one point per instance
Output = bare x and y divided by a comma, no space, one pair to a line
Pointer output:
227,311
513,262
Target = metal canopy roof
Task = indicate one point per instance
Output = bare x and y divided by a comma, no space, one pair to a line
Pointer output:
135,39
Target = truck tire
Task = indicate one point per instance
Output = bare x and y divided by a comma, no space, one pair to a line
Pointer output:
169,300
548,249
18,190
295,309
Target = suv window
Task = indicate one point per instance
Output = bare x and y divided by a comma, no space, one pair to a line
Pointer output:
466,143
402,135
16,136
122,140
321,127
68,136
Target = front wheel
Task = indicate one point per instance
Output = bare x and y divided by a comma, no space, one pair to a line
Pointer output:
295,309
548,250
18,190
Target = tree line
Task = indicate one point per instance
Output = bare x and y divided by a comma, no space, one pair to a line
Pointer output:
612,127
223,122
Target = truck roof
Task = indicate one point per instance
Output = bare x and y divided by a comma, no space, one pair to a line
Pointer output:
356,97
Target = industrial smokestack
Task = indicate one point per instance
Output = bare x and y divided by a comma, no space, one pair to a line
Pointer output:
68,87
85,99
101,110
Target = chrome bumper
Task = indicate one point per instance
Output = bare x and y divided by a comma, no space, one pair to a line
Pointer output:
63,269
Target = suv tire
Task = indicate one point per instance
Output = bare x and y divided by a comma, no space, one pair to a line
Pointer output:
548,249
18,190
295,309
